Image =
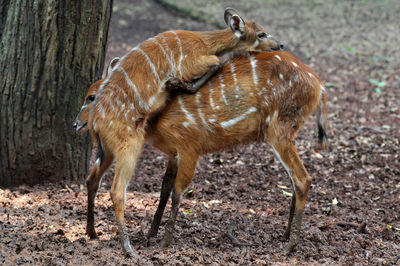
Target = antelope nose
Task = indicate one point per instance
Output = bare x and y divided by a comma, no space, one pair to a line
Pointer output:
75,125
281,46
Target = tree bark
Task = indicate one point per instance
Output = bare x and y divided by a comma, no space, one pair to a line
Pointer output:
50,52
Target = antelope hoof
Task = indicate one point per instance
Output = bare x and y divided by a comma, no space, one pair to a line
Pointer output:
151,233
166,240
91,233
128,251
294,240
290,247
286,235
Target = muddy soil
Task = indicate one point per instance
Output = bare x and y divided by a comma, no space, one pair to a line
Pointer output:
352,214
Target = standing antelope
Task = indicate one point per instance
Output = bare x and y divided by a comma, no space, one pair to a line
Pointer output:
135,90
255,97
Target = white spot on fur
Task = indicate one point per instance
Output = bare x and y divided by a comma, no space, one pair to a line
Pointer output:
234,77
269,82
290,83
129,128
280,76
267,119
278,57
256,43
310,74
235,120
294,63
111,122
222,89
212,120
275,115
322,88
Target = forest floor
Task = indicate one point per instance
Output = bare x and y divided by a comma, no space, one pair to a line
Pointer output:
352,214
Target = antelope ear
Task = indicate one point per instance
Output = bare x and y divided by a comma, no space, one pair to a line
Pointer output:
112,65
234,21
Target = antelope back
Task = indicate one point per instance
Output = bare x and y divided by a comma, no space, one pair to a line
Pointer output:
241,104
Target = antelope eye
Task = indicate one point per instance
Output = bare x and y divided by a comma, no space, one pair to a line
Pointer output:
262,35
91,98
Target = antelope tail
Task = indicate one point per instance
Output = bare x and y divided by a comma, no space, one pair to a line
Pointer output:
321,122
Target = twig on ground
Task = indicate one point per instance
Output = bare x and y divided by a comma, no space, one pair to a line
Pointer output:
233,239
360,227
373,129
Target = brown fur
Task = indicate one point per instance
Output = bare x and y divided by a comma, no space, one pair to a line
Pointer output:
273,110
134,91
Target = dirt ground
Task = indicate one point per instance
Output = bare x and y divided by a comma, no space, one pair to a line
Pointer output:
352,214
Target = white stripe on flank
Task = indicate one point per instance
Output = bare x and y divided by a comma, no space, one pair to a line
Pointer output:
163,51
141,102
153,68
322,88
310,74
234,77
180,51
188,115
171,56
221,79
211,95
277,56
253,63
235,120
199,107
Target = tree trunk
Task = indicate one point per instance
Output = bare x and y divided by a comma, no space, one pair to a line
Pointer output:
50,52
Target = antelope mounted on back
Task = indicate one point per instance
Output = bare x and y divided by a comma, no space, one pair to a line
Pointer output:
255,97
135,90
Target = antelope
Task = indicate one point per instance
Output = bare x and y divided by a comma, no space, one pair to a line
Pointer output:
262,96
173,59
135,90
